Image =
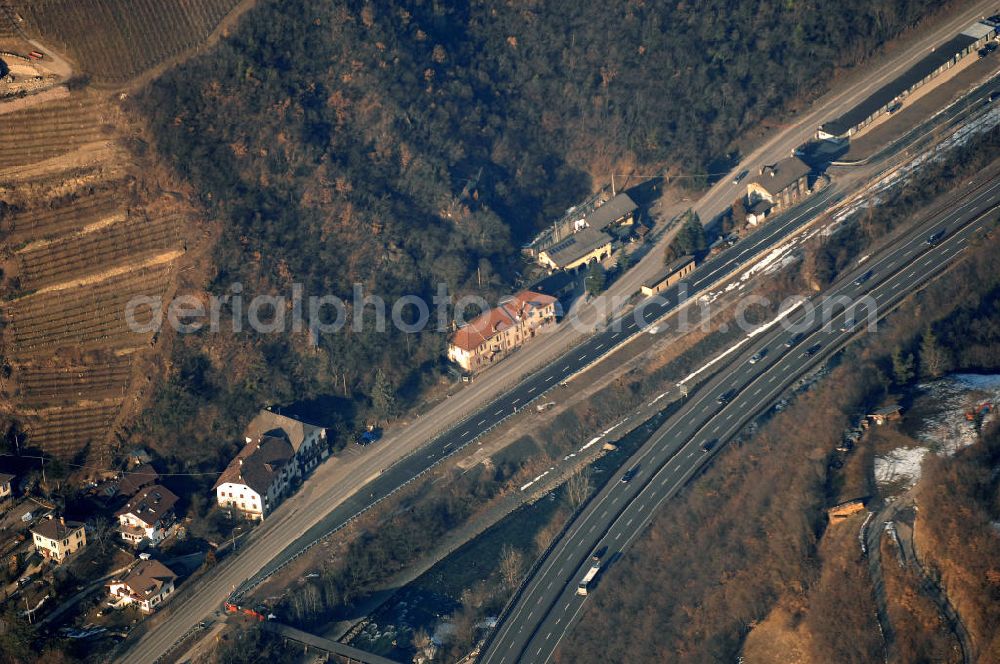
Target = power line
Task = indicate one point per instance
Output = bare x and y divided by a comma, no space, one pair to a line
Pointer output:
102,469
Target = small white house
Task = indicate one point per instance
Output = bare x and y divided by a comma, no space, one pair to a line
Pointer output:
147,585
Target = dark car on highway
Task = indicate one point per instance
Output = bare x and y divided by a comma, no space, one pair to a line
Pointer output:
630,475
864,277
739,176
812,350
709,444
935,237
726,397
794,339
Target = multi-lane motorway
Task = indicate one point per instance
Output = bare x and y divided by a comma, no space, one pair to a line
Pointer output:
341,489
591,350
548,605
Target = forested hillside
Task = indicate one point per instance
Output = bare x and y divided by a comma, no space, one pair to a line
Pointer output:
403,144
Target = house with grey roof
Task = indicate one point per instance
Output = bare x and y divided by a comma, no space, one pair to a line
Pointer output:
781,185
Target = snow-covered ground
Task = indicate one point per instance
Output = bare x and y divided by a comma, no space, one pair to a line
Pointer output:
939,409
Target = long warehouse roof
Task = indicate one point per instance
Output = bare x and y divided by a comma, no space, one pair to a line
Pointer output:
884,95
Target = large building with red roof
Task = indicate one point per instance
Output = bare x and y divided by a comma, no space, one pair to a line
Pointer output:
494,334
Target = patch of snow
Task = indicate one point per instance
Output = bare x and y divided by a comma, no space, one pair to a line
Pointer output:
901,464
941,406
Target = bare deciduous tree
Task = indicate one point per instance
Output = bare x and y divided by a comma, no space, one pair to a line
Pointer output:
511,565
101,532
578,488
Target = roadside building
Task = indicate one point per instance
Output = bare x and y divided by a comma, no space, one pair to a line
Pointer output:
147,516
758,212
890,96
669,276
279,450
308,440
780,185
619,211
147,585
56,539
886,414
557,284
492,335
585,246
6,486
259,476
597,213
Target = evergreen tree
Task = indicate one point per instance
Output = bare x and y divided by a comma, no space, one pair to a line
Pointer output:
690,239
935,359
902,367
383,397
596,279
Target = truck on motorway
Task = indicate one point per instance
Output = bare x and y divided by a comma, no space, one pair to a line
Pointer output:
588,578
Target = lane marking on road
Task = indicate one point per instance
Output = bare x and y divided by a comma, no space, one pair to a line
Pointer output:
481,422
465,433
598,346
498,412
582,358
531,390
618,537
549,378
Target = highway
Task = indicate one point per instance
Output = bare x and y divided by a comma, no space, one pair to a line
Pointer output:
548,606
340,489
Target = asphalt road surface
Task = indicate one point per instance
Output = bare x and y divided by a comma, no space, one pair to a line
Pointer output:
321,504
549,605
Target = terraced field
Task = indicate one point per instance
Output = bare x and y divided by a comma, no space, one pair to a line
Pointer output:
52,129
82,318
84,222
56,219
57,261
115,40
51,386
67,431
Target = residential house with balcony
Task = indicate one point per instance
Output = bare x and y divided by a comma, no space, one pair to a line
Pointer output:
147,585
147,516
